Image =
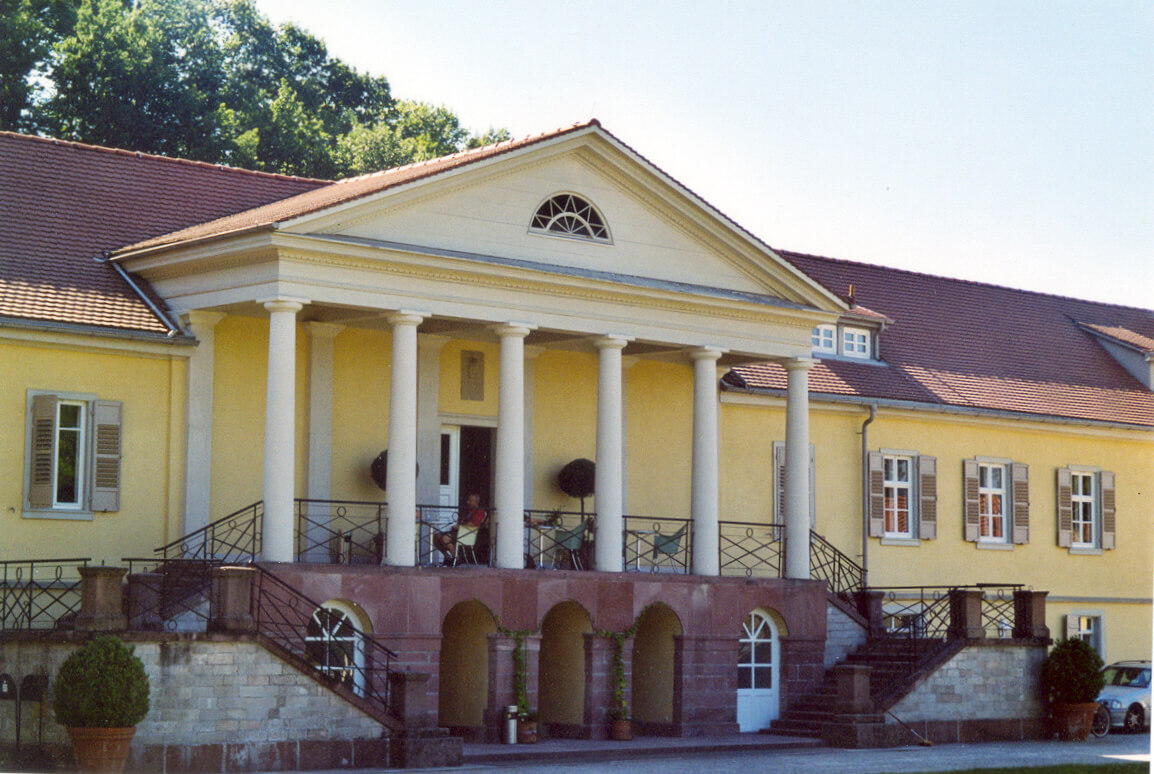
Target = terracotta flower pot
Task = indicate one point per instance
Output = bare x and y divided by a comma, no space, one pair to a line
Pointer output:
621,729
1074,720
101,750
526,732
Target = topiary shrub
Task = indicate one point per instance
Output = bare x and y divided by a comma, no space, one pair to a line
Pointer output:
577,479
1072,674
101,685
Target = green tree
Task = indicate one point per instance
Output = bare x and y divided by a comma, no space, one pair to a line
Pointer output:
28,30
211,80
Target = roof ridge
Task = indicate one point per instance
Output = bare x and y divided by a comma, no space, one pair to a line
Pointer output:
941,277
461,154
154,156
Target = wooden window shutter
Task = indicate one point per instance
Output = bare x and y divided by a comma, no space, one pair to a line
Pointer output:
928,497
1020,502
779,482
1107,484
876,472
1065,509
1073,627
812,487
106,423
42,466
970,516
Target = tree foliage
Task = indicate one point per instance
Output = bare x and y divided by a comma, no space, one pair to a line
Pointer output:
211,80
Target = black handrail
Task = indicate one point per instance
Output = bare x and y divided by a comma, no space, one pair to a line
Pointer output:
657,544
39,593
286,617
841,574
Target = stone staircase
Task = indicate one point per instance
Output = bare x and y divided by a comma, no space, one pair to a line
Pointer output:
896,664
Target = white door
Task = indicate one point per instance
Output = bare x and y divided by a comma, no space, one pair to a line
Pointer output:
450,465
757,673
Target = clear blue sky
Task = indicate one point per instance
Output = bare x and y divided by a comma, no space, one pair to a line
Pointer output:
1002,141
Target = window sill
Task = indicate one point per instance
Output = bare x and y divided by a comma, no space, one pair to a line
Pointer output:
63,515
990,545
1085,551
896,541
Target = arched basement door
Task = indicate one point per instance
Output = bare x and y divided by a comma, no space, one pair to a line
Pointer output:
758,673
335,644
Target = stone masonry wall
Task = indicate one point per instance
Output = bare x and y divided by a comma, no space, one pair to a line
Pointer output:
205,690
843,634
986,680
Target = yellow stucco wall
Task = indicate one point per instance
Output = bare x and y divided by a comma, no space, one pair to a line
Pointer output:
151,385
1117,582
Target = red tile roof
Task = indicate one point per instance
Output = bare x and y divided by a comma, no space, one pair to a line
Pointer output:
1122,335
971,345
346,190
66,203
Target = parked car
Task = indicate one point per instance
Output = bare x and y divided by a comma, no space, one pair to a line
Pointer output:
1127,694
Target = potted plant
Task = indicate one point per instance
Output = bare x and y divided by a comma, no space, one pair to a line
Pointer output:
100,693
1071,681
620,718
526,717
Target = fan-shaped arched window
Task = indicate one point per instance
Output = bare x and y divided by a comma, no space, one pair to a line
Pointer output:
572,216
334,644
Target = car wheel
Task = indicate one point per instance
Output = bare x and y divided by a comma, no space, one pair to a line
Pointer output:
1133,722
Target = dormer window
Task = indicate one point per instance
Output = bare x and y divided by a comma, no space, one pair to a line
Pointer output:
825,339
855,342
846,341
571,216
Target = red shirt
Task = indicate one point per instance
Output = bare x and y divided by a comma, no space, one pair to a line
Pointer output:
473,517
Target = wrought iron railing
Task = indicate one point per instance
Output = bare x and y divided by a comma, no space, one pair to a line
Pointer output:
233,539
340,531
998,609
841,574
751,550
924,612
558,540
653,544
39,593
286,617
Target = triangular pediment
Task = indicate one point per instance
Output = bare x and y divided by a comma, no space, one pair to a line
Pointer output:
657,231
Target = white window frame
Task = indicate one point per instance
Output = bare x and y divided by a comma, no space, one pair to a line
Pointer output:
1088,626
82,454
987,495
824,339
1085,513
856,343
897,485
80,511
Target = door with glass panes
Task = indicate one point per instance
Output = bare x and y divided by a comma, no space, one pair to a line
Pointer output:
757,673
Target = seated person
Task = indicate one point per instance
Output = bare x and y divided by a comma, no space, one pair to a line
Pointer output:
472,515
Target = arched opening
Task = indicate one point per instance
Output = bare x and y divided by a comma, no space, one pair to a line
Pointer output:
653,666
334,642
464,669
758,671
561,669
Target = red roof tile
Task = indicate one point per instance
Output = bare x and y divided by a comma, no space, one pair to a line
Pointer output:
66,203
972,345
1124,336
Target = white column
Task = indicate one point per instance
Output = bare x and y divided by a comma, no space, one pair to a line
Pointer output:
797,468
198,462
607,487
429,417
510,495
705,497
277,537
401,481
320,459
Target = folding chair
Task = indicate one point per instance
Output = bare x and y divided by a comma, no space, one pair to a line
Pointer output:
570,542
666,548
